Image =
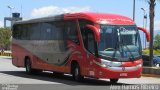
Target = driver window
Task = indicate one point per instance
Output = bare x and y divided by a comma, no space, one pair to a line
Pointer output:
108,38
88,39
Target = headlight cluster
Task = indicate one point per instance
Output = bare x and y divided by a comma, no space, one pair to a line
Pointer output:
107,63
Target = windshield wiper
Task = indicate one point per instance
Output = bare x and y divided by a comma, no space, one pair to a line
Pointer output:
116,47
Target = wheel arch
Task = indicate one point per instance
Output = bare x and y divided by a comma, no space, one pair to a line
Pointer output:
25,59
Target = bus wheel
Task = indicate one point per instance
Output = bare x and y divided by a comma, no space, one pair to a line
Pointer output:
113,81
28,66
76,73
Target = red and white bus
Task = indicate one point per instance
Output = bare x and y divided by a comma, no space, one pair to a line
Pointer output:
96,45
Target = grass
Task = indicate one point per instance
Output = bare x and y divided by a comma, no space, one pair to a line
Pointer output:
155,52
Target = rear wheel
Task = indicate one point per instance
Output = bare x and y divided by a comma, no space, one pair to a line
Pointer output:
113,81
28,67
76,73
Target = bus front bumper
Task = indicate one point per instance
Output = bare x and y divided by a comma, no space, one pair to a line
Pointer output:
119,72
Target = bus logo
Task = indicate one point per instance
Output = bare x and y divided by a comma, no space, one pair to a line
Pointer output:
123,68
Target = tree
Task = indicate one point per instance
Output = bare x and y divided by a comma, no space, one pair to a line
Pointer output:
5,36
157,42
152,4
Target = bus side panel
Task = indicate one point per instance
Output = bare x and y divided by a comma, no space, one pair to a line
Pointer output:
18,54
20,51
75,55
15,55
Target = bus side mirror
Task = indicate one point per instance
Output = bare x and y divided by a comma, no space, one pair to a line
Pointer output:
146,32
95,31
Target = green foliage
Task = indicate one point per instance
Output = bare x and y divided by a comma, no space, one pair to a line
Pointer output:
155,52
156,46
157,42
5,38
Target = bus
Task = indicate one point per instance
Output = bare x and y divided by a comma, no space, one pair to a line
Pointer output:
85,44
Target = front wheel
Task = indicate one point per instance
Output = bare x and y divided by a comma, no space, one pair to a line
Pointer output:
113,81
76,73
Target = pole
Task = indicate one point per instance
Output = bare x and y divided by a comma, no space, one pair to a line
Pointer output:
151,17
134,10
143,33
10,10
144,12
4,22
146,28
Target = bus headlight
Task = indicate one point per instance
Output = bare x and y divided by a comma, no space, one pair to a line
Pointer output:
102,63
107,63
139,65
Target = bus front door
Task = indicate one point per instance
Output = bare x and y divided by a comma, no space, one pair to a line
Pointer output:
89,44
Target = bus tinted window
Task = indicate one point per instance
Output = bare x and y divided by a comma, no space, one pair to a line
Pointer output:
83,23
71,31
46,29
34,31
20,32
55,30
52,30
58,30
16,31
23,32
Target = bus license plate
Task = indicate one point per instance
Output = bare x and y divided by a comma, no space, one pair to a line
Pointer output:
123,74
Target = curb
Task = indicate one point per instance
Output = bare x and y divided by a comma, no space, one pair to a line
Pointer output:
5,54
150,75
151,71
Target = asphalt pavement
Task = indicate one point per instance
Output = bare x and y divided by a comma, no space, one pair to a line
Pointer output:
13,78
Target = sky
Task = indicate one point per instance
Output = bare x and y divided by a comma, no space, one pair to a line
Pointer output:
40,8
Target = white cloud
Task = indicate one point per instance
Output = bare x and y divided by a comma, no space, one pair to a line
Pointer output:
52,10
1,24
157,25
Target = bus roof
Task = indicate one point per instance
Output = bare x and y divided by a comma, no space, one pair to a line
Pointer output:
102,18
43,19
105,18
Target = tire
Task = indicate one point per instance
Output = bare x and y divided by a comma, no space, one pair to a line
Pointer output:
28,67
76,73
113,81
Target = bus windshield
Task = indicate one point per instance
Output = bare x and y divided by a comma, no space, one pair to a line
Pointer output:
119,42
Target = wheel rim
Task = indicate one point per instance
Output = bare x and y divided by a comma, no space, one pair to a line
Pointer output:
28,66
76,73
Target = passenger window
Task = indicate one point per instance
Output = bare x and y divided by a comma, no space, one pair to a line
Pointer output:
34,31
46,31
71,31
16,31
20,31
52,30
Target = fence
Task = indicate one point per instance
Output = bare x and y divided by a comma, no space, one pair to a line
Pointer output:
5,53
